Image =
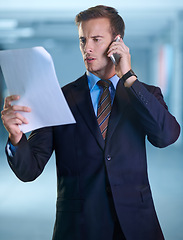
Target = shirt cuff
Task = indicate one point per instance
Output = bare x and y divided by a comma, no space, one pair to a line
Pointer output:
11,150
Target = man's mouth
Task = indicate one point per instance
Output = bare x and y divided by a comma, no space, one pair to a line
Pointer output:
89,59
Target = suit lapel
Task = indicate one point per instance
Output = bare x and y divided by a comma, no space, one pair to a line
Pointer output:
82,98
119,105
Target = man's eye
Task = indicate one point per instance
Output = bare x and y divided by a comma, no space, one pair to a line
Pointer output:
96,39
82,41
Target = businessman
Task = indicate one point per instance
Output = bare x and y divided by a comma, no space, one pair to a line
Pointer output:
103,187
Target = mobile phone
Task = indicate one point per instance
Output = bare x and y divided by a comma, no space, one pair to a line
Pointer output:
115,57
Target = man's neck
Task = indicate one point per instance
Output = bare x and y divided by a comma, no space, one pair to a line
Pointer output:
107,73
104,75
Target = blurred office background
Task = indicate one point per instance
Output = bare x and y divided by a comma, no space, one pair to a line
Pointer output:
154,34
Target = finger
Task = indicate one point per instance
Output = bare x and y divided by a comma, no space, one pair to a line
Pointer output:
21,118
124,46
121,45
21,108
114,49
12,122
7,111
122,51
12,126
17,116
9,99
7,116
11,110
115,46
117,38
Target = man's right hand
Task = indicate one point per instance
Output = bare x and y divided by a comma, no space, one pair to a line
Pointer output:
12,119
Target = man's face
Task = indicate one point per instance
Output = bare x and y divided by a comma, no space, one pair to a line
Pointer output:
95,37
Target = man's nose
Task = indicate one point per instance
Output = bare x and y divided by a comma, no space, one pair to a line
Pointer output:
88,46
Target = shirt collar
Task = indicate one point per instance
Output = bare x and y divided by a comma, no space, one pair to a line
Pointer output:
92,80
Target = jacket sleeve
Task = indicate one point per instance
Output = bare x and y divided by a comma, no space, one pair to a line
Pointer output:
159,124
31,155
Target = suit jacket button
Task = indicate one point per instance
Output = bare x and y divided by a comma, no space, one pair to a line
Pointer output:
108,158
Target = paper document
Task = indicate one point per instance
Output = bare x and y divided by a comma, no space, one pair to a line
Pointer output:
30,73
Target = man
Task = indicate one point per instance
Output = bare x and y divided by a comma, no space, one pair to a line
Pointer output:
103,187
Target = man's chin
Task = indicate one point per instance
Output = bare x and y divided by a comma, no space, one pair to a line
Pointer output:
90,69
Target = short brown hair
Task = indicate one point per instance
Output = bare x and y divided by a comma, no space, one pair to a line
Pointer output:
101,11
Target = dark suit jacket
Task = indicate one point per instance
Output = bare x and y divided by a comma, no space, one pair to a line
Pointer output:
95,179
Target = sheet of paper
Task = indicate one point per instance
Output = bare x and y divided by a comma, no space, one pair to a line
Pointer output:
30,73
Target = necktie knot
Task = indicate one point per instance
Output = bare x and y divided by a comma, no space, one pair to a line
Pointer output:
104,83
